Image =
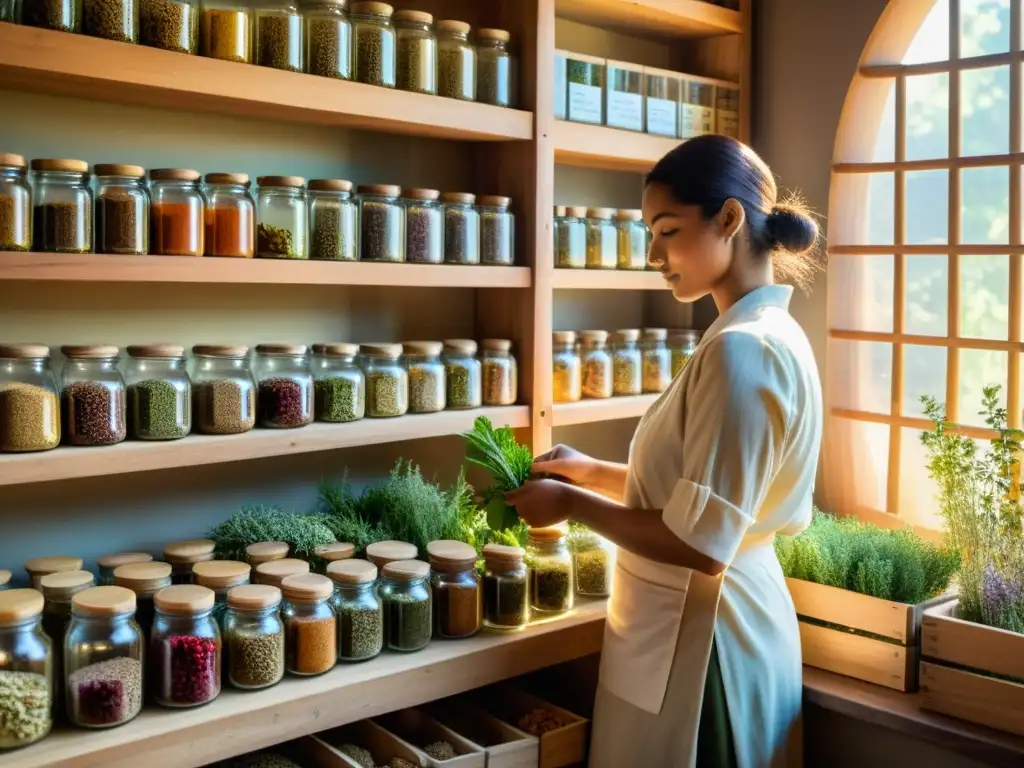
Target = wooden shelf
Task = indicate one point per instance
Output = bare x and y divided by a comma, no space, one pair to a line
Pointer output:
658,18
68,462
588,411
96,268
595,146
607,280
42,61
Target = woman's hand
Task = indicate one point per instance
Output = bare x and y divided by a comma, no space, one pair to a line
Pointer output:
542,503
568,463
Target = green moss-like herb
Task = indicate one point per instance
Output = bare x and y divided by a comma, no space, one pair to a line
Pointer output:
262,523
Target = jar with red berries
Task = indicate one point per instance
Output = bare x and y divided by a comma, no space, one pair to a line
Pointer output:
185,647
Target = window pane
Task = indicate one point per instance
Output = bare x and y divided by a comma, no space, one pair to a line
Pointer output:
985,111
860,374
863,445
919,494
979,368
927,300
984,297
861,287
928,116
985,205
924,373
932,40
984,27
885,141
927,207
867,201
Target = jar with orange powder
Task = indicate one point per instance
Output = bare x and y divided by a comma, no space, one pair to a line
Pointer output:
230,216
176,214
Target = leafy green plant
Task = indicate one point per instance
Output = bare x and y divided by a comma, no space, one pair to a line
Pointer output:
509,464
265,523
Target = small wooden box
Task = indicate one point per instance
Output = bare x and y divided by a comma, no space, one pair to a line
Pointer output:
890,659
558,748
321,751
416,728
504,745
978,696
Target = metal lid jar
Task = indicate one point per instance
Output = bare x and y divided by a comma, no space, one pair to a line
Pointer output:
387,381
374,43
172,25
176,214
62,206
424,226
185,647
51,14
38,567
427,378
281,208
417,52
506,592
310,625
567,383
602,245
551,576
682,345
122,209
457,596
285,386
570,237
456,61
145,580
183,556
461,228
221,576
359,611
107,564
462,371
596,363
497,231
339,386
230,216
333,220
627,377
223,390
657,362
111,19
254,636
328,38
15,204
631,239
278,35
382,216
93,395
159,392
495,80
593,562
29,399
499,372
26,670
406,597
226,30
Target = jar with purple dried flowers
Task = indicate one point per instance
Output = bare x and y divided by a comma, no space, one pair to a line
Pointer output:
284,398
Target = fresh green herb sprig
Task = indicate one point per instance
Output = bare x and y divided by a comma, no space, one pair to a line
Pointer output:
507,461
304,533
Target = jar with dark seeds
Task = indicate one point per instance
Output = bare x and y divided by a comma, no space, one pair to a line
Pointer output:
497,227
279,37
226,31
122,209
111,19
456,61
374,44
333,220
159,392
62,217
284,386
172,25
382,219
328,39
339,387
93,395
427,380
417,52
494,64
15,204
461,228
462,372
61,15
387,381
424,226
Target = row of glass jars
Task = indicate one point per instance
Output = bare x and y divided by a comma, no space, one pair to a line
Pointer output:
600,238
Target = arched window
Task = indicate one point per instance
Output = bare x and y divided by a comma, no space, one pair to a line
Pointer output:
925,249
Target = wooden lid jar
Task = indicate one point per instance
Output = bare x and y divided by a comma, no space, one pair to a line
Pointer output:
38,567
380,553
274,572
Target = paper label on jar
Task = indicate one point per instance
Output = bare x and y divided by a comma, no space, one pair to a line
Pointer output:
625,110
662,117
585,103
697,120
560,87
728,123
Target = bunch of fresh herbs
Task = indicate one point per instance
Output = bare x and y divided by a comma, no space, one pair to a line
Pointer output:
509,464
252,524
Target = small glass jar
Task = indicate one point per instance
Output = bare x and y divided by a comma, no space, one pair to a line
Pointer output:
159,392
380,553
328,38
62,206
221,576
230,216
596,364
657,361
697,109
185,648
567,383
339,386
93,396
359,611
61,15
681,347
274,572
172,25
103,658
111,19
456,61
223,390
624,98
463,374
631,239
551,572
122,209
374,43
281,208
145,580
427,376
499,372
661,102
405,595
39,567
107,564
333,221
506,588
311,627
570,237
58,589
226,31
561,85
602,239
727,111
494,68
627,376
455,587
279,35
284,384
593,563
176,225
424,226
15,204
26,670
29,399
267,552
417,52
497,231
461,228
184,555
336,551
382,217
387,381
254,637
585,100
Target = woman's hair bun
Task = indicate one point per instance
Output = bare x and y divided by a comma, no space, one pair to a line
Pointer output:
791,228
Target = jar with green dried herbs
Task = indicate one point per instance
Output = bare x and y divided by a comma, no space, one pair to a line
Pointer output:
497,231
15,204
29,399
681,346
92,395
282,215
387,381
585,100
111,19
333,221
506,588
627,375
463,373
61,15
221,576
631,239
122,209
159,392
456,61
408,612
359,611
461,228
570,237
551,572
279,35
26,670
223,390
417,52
62,212
374,44
382,222
427,378
339,387
254,637
226,30
657,362
499,372
593,562
172,25
567,382
328,38
284,386
424,226
494,68
596,364
602,239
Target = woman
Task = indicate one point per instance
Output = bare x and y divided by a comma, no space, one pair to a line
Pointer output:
701,659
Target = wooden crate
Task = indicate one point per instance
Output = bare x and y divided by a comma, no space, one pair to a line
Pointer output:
416,728
504,745
892,662
978,696
321,750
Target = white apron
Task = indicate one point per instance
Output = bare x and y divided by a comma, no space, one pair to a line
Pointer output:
729,453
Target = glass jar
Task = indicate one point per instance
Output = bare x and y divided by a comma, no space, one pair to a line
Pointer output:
333,221
602,245
15,204
727,111
185,648
103,658
334,552
596,364
38,567
497,231
463,374
374,48
274,572
183,556
627,378
311,628
93,396
285,385
172,25
107,564
427,378
567,384
593,562
624,104
499,372
681,347
551,572
26,670
387,381
267,552
328,39
29,401
223,390
455,588
281,206
561,85
424,226
585,101
506,588
339,386
145,580
661,101
122,209
278,35
570,237
657,362
382,217
159,392
254,637
111,19
61,15
697,109
359,612
417,52
405,595
221,576
456,61
58,590
226,30
461,228
631,239
494,64
230,216
62,206
176,216
380,553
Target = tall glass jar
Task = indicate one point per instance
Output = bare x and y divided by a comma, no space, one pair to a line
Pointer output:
624,96
111,19
311,628
176,216
657,362
497,231
226,30
93,395
26,670
456,61
145,580
159,392
593,562
281,207
172,25
457,595
494,68
274,572
681,346
570,237
374,43
230,216
596,363
602,245
551,576
424,226
360,614
382,217
223,390
627,374
279,34
261,552
506,588
427,377
339,386
631,239
61,15
463,374
107,564
380,553
58,590
254,637
39,567
62,206
328,38
405,594
221,576
417,52
183,556
122,209
185,647
285,385
29,399
567,383
387,381
461,228
103,658
500,373
333,221
15,204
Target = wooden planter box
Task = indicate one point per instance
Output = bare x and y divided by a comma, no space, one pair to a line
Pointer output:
892,661
977,695
321,751
416,729
504,745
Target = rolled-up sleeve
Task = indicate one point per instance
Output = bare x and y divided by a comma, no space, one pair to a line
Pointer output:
738,412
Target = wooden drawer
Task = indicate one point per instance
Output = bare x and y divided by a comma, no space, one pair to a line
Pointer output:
417,729
504,745
321,750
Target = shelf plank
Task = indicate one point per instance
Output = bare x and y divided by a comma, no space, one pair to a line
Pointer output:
68,462
239,722
59,63
595,146
97,268
589,411
608,280
656,18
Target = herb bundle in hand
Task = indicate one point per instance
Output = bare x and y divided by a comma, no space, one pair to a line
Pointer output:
508,462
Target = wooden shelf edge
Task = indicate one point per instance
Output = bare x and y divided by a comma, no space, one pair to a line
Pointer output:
589,411
607,280
597,146
660,18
